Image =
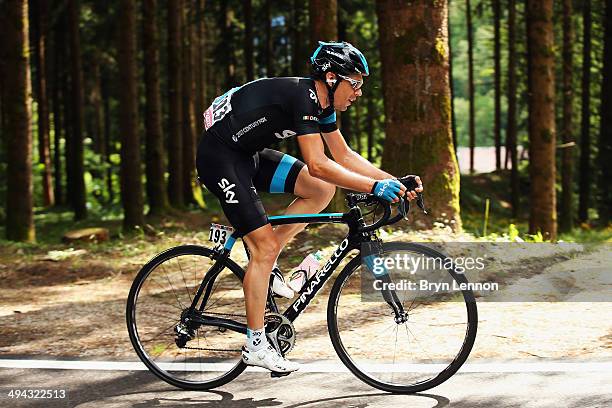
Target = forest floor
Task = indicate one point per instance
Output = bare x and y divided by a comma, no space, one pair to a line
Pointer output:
61,300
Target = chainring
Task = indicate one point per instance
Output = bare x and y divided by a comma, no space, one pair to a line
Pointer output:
280,332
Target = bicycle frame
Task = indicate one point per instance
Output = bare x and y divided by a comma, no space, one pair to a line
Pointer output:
355,237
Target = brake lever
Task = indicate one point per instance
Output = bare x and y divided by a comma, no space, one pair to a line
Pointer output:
421,202
404,207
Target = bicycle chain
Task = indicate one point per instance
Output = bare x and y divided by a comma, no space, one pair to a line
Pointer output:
224,314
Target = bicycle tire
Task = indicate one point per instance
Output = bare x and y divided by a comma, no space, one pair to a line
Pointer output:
132,327
343,354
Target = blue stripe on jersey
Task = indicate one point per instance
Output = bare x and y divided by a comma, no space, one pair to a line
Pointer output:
280,175
330,119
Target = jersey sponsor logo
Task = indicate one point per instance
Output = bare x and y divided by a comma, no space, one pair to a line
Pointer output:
227,187
248,128
307,117
312,94
286,133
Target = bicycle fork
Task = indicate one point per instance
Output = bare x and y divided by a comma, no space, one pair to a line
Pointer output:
388,295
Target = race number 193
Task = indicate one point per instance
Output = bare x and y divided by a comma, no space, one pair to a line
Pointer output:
219,233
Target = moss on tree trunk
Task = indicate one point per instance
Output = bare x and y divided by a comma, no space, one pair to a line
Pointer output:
414,54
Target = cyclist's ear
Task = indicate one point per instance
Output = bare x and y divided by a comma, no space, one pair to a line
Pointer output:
330,77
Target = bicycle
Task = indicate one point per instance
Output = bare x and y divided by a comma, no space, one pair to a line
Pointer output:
191,337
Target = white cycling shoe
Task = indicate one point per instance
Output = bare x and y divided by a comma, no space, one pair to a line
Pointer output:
279,287
267,357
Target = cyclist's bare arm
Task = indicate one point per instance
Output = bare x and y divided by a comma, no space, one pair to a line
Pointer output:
321,166
350,159
353,161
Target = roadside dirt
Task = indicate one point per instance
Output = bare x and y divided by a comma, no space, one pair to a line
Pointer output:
75,307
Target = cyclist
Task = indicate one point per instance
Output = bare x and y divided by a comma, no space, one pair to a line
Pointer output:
234,162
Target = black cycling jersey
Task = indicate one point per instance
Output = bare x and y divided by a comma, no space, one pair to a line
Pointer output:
265,111
232,159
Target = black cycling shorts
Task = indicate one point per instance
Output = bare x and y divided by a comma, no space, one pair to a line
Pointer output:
234,177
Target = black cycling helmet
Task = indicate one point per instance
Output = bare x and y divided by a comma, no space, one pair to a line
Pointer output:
341,58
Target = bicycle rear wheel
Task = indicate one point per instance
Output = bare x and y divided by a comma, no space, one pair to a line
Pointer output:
400,357
189,356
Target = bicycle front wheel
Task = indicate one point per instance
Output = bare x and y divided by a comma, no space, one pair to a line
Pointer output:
161,324
397,356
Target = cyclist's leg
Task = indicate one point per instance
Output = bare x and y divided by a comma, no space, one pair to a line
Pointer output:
229,175
264,249
282,173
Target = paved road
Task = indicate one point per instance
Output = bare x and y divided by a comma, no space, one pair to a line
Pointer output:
573,385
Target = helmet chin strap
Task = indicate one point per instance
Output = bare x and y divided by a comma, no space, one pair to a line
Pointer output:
331,89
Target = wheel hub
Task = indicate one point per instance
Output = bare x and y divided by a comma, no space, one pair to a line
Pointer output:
402,318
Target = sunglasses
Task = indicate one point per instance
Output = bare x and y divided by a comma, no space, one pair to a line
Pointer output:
355,83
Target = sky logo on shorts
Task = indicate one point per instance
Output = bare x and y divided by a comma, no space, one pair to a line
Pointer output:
227,189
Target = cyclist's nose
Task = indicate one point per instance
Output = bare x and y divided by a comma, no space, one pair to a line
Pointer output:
358,92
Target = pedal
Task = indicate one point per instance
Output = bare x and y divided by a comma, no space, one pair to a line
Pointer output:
277,374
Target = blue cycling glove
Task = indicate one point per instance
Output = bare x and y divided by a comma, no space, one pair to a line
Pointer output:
387,189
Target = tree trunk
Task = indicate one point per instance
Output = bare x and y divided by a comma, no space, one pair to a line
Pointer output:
108,148
77,180
498,91
155,169
39,30
188,107
324,27
298,61
226,51
199,49
472,115
452,83
542,214
95,120
131,184
511,131
605,130
57,97
323,21
585,137
175,105
248,39
357,126
14,66
566,220
370,126
68,106
344,118
416,89
269,44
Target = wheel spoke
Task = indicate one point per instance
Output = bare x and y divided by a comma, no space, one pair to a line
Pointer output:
407,359
154,307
